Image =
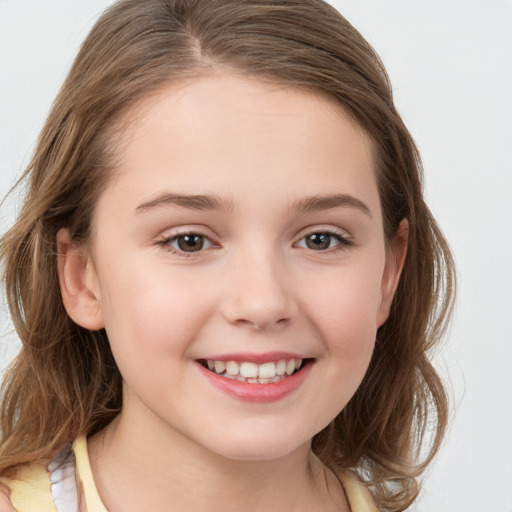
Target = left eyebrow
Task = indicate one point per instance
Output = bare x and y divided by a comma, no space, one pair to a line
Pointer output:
191,202
327,202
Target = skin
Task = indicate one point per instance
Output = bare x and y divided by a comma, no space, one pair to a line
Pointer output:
5,504
256,286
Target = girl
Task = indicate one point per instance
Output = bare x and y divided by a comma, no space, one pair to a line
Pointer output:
224,276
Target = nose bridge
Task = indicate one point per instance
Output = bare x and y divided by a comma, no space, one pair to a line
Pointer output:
260,294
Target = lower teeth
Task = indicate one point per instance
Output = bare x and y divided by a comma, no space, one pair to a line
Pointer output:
277,378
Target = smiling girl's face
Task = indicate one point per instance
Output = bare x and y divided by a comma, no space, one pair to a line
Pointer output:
240,239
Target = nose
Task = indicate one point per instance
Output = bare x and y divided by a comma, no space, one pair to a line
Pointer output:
260,293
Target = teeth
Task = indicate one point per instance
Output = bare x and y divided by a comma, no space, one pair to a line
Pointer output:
281,367
219,366
267,370
249,370
232,368
253,373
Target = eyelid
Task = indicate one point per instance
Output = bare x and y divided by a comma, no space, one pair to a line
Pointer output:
345,239
174,239
164,240
324,228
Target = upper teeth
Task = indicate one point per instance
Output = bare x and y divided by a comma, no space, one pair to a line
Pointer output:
253,370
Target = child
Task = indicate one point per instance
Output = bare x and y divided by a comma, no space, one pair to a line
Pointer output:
224,276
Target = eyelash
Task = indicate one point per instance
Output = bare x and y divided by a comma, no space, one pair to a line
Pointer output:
166,244
343,242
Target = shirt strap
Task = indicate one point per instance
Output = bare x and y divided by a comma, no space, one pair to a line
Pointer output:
85,477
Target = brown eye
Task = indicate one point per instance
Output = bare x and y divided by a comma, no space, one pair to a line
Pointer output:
189,243
318,241
322,241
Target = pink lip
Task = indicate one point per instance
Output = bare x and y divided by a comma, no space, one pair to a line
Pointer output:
258,392
255,358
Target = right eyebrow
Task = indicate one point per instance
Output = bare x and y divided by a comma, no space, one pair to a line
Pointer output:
326,202
200,202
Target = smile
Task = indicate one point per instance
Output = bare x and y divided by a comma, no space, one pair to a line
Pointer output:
256,377
253,373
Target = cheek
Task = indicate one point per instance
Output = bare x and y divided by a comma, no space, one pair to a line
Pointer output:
153,315
344,310
345,321
348,301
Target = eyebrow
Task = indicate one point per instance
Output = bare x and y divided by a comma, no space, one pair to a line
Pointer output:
192,202
327,202
211,202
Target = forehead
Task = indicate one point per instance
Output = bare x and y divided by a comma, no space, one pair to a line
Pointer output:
224,131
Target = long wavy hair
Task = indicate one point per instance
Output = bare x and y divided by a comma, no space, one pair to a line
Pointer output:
65,382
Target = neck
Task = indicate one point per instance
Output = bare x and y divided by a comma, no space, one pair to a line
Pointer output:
137,471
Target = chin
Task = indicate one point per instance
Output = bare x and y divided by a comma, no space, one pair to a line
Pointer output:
263,445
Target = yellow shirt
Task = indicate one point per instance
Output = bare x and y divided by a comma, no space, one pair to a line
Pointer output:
32,489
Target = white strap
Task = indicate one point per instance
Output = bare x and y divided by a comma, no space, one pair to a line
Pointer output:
64,482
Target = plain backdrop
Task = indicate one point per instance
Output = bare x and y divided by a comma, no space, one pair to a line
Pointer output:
450,63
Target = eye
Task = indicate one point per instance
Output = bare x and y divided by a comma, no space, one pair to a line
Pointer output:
189,242
322,241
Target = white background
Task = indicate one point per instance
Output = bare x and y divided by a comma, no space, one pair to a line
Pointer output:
450,63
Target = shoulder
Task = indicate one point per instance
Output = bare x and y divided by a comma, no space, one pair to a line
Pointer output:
29,491
5,502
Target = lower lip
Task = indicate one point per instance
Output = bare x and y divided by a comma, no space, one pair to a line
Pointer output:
258,392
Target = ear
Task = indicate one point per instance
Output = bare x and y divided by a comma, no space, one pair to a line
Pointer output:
395,257
78,283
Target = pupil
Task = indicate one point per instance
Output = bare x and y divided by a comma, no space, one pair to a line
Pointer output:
318,241
190,243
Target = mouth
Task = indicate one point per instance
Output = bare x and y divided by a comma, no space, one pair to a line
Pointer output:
269,372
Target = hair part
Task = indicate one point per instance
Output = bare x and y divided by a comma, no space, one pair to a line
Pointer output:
65,382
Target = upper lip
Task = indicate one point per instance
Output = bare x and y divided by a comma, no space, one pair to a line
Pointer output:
252,357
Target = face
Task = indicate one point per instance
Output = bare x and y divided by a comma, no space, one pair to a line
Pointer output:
238,265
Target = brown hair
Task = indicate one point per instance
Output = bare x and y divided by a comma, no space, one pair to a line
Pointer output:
65,382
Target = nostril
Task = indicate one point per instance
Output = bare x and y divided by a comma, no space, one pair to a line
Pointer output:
260,302
263,325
